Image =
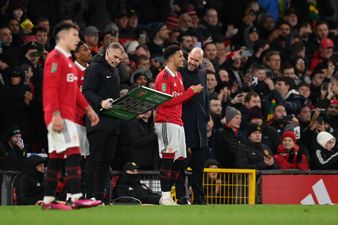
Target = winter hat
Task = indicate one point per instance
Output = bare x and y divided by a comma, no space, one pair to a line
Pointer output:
252,127
230,113
323,137
290,134
326,43
255,113
91,31
210,162
130,166
154,28
172,22
191,12
334,102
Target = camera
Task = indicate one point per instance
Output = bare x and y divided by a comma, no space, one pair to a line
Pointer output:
287,118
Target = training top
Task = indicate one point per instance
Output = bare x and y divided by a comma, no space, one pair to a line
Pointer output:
171,83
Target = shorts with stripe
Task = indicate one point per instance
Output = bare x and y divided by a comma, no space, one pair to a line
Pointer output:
171,139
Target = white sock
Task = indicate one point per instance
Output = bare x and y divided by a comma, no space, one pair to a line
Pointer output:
76,196
166,194
48,199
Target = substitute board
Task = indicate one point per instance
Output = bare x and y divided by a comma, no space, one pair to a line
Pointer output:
139,100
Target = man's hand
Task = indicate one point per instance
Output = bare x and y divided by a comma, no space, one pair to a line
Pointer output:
57,122
107,104
270,83
93,117
28,97
197,88
269,160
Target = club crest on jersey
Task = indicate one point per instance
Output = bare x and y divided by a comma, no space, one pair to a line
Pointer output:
164,87
71,77
54,67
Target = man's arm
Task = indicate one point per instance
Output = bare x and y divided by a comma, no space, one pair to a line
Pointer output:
90,85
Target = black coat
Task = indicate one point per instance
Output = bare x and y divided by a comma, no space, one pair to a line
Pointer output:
226,146
251,156
143,146
130,186
325,160
30,186
196,111
101,81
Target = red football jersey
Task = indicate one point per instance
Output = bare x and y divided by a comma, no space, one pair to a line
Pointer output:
170,83
60,88
80,113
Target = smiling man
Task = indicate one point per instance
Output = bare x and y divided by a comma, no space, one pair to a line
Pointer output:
168,121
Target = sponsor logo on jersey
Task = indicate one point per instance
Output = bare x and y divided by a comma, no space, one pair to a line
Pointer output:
164,87
71,77
54,67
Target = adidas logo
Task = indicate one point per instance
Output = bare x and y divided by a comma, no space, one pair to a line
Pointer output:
320,194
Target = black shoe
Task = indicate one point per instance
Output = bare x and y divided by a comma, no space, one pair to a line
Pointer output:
200,201
183,201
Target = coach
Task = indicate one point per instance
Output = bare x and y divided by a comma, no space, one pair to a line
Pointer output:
195,117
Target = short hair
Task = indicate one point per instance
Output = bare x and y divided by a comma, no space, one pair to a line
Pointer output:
249,95
287,80
286,66
115,45
303,84
64,26
39,29
171,50
269,54
41,19
210,72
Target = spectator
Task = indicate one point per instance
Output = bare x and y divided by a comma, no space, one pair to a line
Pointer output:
212,183
270,136
91,37
215,106
11,53
29,187
290,155
13,144
158,35
211,83
129,186
227,141
284,94
273,60
326,156
333,113
325,52
252,153
15,98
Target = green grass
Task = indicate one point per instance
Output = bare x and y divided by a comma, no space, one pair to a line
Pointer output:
185,215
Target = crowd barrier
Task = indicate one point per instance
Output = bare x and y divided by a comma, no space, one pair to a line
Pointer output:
234,186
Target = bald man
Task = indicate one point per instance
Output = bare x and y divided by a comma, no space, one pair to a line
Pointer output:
195,117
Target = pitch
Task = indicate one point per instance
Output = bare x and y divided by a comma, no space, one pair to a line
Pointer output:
162,215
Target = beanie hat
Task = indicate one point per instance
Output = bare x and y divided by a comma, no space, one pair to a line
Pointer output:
230,113
290,134
334,102
323,137
154,28
255,113
252,127
91,31
191,12
172,22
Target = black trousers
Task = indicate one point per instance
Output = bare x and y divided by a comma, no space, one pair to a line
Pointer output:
102,148
196,162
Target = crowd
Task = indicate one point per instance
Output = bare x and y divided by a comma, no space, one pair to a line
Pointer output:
269,100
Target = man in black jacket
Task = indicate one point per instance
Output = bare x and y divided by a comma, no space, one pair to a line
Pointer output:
195,117
252,153
101,86
30,186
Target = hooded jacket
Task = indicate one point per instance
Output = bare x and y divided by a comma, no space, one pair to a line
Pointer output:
30,186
